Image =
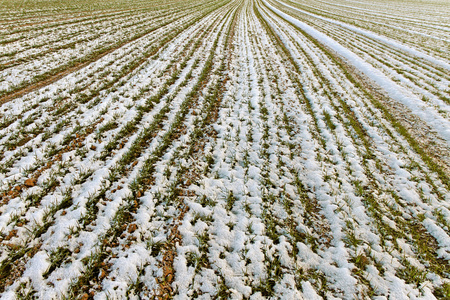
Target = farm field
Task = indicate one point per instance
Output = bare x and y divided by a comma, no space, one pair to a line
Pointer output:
225,149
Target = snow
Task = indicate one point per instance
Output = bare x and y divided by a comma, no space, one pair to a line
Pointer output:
221,164
378,37
426,113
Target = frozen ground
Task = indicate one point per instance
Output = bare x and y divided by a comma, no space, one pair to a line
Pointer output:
241,149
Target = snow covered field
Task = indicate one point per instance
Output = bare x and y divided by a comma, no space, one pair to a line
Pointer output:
238,149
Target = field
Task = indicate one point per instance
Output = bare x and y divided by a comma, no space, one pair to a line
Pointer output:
238,149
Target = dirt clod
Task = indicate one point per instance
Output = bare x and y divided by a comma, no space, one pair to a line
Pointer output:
132,228
30,182
85,296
